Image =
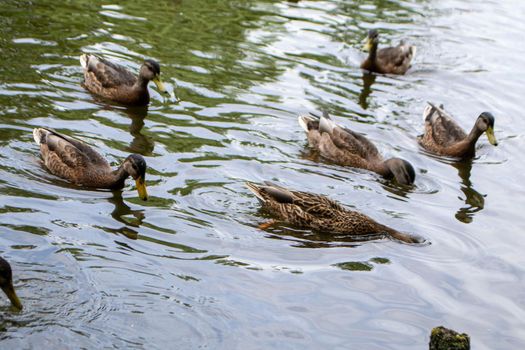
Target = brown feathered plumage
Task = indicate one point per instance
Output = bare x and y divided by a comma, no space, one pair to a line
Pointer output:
115,82
77,162
320,213
346,147
390,60
443,136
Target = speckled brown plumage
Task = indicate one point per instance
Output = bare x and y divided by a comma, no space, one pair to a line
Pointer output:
390,60
346,147
320,213
77,162
115,82
443,136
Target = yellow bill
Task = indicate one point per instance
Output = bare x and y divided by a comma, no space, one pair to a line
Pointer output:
141,188
9,290
368,44
491,137
160,85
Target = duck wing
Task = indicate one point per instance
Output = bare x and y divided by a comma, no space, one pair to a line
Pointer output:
73,153
295,203
348,140
395,59
107,73
444,129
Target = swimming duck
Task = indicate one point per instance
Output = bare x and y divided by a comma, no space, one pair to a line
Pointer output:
113,81
443,136
346,147
79,163
390,60
320,213
6,283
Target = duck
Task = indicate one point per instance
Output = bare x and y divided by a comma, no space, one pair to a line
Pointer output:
444,137
80,164
115,82
320,213
389,60
346,147
6,283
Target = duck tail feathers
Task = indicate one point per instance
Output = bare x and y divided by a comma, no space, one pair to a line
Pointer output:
256,191
326,124
432,111
84,58
272,192
308,122
39,134
429,111
413,50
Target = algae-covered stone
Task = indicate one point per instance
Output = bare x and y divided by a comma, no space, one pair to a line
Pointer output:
442,338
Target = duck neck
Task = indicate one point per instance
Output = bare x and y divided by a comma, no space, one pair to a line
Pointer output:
471,140
474,135
400,236
119,177
373,52
142,82
382,169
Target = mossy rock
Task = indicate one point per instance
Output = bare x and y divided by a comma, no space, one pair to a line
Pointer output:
442,338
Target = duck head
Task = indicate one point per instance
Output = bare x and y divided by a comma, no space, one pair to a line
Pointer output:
135,166
485,123
401,170
371,40
150,70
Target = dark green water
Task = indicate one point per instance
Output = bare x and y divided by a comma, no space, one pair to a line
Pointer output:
189,268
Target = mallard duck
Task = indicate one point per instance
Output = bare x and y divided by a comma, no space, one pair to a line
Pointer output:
6,283
320,213
79,163
115,82
443,136
390,60
346,147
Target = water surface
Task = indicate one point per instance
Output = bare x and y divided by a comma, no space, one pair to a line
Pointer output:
189,268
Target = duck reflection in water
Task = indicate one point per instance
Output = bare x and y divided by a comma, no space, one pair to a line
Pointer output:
368,80
312,239
474,200
122,213
141,144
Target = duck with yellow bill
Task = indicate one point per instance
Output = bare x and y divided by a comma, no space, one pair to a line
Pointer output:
443,136
115,82
77,162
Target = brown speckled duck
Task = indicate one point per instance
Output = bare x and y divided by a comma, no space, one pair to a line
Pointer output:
77,162
390,60
6,283
443,136
346,147
115,82
320,213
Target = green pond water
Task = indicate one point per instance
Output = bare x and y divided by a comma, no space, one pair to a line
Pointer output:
189,268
